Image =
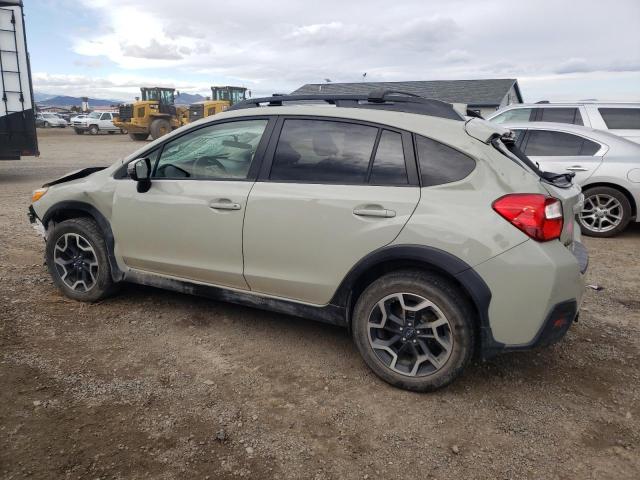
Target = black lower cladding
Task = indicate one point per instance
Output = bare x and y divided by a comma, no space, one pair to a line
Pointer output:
18,135
582,255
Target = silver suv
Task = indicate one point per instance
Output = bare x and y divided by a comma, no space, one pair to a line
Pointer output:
622,119
427,234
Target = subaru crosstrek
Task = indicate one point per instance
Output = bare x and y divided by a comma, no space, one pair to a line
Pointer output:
426,233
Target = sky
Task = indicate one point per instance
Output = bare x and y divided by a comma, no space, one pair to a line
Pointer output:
557,49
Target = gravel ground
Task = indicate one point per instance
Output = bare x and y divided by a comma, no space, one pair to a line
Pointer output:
153,384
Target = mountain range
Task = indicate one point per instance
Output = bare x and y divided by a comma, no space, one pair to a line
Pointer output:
50,100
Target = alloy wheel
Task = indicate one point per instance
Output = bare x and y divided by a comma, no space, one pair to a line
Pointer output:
410,334
601,213
76,262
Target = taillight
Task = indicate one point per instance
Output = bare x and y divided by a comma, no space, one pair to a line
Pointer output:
537,215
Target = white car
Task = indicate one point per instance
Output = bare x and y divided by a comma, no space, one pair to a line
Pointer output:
622,119
78,118
47,120
95,123
606,166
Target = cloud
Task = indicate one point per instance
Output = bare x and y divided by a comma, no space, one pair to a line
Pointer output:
277,47
154,51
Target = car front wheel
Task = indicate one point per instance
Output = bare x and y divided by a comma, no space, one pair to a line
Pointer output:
93,130
606,212
414,330
77,260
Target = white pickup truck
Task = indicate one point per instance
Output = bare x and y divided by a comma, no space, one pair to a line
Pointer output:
95,123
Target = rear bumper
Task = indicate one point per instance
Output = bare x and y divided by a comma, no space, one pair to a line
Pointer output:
537,289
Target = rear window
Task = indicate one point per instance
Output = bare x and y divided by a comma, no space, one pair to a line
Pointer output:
321,151
545,143
621,118
560,115
388,165
441,164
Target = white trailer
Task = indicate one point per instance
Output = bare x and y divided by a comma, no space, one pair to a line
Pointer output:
17,112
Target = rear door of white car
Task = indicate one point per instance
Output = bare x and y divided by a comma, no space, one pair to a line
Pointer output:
563,152
329,192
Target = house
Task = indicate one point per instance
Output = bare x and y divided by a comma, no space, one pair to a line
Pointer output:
482,96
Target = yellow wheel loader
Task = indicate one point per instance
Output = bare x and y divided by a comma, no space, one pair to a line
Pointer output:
155,113
221,99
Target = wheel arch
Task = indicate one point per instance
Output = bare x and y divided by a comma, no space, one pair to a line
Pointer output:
69,209
400,257
621,189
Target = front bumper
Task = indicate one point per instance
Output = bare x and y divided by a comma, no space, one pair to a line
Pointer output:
36,223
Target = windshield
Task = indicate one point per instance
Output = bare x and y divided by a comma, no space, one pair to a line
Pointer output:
94,115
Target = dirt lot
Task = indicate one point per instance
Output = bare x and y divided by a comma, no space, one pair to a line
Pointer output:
152,384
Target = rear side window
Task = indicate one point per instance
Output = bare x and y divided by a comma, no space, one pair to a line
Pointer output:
560,115
621,118
441,164
388,165
321,151
545,143
515,115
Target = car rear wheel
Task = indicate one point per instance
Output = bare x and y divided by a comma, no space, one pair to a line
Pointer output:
77,260
93,129
414,330
46,125
606,212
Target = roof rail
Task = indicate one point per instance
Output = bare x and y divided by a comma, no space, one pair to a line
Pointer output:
392,100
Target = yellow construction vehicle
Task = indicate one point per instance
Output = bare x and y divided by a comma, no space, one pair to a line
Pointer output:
155,113
221,99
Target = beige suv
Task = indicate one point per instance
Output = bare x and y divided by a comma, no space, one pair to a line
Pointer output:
426,233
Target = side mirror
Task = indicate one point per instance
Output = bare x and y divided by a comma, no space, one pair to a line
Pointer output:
140,171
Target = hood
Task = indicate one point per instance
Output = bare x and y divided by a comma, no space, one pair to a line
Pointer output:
84,172
483,130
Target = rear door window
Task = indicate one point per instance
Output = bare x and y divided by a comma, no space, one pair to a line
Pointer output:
560,115
389,166
440,163
322,151
621,118
545,143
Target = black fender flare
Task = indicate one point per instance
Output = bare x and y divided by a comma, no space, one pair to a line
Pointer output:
99,218
463,273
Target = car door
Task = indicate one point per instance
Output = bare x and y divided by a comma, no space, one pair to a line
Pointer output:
563,152
189,223
330,193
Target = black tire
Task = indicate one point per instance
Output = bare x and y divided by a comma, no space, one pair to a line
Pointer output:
624,211
79,131
88,230
123,131
446,297
138,137
93,130
159,127
46,125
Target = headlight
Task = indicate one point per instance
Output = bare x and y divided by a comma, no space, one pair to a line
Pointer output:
37,194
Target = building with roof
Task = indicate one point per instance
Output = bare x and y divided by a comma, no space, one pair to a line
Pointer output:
481,96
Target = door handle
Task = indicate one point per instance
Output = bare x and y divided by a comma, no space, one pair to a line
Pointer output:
577,168
224,204
374,212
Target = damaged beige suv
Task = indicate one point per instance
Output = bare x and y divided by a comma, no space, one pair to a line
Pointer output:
425,232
